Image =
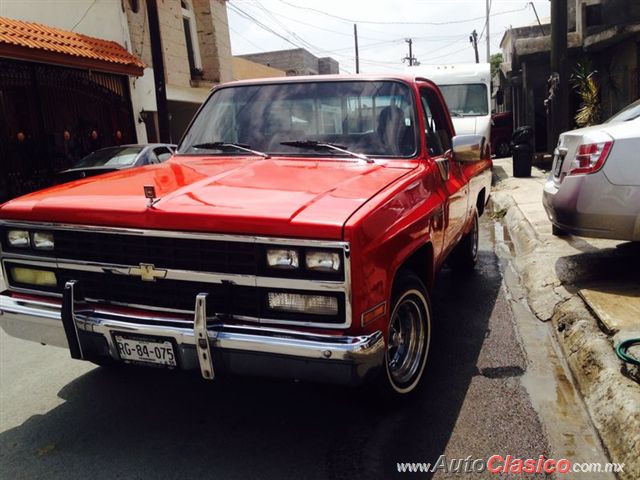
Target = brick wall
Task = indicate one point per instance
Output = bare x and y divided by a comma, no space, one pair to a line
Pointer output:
213,39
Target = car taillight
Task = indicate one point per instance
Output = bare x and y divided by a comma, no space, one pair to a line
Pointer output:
590,157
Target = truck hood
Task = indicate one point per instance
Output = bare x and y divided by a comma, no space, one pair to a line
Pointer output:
280,196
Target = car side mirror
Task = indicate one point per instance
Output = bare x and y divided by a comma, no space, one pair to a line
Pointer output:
468,148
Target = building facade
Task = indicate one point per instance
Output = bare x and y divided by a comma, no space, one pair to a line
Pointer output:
195,43
297,61
98,106
62,96
602,33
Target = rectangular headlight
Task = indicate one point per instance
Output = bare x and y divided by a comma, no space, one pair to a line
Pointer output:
309,304
18,238
32,276
283,258
43,240
323,261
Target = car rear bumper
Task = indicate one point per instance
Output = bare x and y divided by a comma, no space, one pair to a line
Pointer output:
228,349
591,206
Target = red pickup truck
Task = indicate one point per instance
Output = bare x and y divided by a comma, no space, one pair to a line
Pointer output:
296,232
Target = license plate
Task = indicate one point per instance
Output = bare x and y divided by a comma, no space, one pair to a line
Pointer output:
558,165
157,351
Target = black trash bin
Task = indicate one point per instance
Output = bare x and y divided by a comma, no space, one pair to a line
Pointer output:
522,151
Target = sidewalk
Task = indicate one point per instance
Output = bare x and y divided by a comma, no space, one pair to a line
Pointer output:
588,290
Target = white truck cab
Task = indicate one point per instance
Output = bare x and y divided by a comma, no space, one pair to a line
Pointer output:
466,89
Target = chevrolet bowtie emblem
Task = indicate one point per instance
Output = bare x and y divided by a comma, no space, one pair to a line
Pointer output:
147,272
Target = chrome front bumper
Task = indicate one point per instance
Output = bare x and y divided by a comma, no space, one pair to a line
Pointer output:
203,344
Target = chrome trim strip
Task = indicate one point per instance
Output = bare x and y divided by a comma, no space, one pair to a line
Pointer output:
178,234
188,275
202,337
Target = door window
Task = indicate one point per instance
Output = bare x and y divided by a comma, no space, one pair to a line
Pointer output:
437,131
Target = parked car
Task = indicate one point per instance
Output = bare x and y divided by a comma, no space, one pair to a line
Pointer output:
296,233
501,132
593,189
111,159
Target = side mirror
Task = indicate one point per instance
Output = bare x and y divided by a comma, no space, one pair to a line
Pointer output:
468,148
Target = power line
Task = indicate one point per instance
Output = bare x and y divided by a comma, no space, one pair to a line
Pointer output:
272,31
374,22
260,24
83,15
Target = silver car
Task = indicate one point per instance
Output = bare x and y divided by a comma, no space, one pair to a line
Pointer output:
120,157
593,189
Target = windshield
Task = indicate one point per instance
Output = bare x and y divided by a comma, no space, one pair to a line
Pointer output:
630,112
365,117
466,100
110,157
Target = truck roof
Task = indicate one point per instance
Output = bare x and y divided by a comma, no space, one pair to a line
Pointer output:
403,77
454,73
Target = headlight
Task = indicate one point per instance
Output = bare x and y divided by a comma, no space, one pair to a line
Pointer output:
18,238
31,276
43,240
281,258
323,261
310,304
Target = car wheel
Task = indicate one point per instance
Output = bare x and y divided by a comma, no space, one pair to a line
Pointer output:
464,256
503,150
408,338
558,232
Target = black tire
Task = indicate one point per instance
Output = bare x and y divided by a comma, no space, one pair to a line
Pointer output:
503,150
558,232
408,338
464,256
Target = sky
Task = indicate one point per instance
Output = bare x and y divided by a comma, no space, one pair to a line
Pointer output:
439,29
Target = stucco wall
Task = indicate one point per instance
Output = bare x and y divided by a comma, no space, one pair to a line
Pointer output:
245,69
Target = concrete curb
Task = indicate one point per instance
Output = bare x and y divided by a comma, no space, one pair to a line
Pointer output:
612,399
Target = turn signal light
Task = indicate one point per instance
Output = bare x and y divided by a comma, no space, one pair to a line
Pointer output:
32,276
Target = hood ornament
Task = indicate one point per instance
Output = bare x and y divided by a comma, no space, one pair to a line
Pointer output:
150,193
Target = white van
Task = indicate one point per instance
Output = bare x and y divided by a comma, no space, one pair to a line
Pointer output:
466,88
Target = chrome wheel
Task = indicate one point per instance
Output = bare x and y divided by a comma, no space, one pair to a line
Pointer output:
408,341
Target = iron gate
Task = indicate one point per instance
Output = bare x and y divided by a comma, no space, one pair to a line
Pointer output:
52,116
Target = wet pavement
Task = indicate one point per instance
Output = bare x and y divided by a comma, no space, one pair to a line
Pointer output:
61,418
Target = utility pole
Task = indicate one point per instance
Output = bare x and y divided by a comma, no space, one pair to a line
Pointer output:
411,59
473,38
488,6
559,81
355,37
158,71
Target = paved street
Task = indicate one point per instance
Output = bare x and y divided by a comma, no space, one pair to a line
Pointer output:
61,418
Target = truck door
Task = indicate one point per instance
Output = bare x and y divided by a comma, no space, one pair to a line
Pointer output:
453,184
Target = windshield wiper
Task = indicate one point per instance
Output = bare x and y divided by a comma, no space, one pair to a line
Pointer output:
312,144
223,146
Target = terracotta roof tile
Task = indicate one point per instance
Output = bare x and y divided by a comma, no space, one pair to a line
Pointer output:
42,37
